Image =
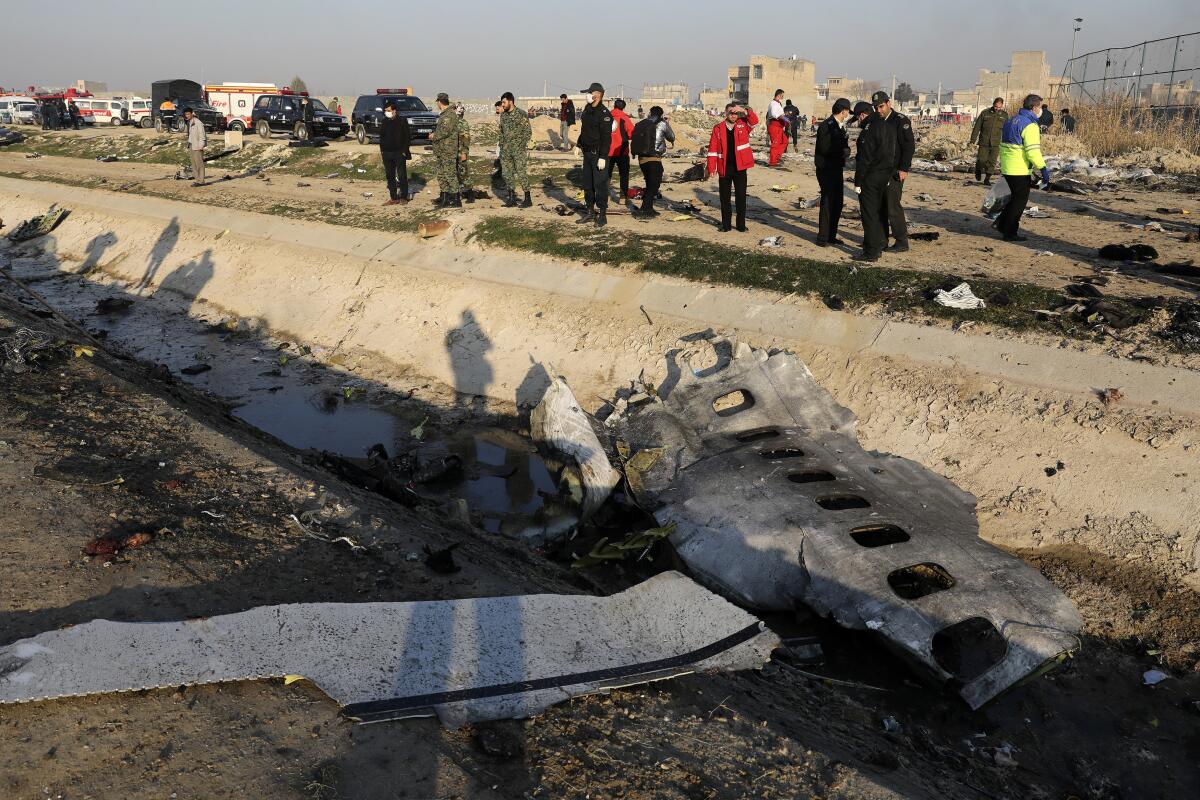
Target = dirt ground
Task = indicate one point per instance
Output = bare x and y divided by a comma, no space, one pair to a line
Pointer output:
217,497
1113,529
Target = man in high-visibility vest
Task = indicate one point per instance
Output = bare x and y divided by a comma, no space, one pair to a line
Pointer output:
1020,155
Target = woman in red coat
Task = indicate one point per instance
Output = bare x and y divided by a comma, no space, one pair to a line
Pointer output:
729,156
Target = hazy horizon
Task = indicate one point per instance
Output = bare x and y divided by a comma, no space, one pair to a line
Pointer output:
340,50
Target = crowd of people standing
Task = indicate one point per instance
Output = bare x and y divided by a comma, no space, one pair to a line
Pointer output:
608,139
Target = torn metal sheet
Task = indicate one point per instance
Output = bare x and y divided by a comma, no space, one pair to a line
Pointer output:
558,423
777,504
463,660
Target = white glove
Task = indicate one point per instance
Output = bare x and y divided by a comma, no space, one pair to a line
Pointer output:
858,190
600,163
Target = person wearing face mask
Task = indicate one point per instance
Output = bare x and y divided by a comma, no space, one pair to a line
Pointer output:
829,155
618,152
1020,155
730,157
394,135
595,139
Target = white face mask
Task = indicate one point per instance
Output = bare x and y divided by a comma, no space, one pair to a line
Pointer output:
389,114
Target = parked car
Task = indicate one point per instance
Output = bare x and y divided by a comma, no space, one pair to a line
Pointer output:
17,110
280,113
368,114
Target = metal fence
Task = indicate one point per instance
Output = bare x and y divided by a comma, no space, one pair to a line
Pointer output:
1162,72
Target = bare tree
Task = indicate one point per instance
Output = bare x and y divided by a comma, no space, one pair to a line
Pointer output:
297,84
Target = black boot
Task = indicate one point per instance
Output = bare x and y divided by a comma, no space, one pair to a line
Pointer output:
468,195
527,202
510,199
987,181
978,175
441,201
589,215
601,219
454,200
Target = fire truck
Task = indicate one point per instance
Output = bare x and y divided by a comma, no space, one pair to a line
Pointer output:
236,101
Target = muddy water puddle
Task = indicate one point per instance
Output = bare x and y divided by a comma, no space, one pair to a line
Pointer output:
282,389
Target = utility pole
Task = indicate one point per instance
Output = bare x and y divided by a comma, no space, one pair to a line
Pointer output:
939,95
893,95
1075,32
545,88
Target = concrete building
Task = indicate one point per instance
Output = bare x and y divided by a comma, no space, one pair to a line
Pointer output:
1028,74
95,87
667,95
841,86
754,84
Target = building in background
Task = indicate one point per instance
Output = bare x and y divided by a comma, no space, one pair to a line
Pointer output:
667,95
95,87
1029,73
840,86
754,84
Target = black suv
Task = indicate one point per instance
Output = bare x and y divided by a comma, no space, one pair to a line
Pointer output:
280,113
368,113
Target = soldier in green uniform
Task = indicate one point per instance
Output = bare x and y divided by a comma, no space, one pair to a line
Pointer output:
446,145
464,154
987,131
515,133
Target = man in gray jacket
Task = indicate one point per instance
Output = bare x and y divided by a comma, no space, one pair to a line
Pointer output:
197,141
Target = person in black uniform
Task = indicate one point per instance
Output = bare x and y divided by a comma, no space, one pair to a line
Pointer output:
894,221
595,138
394,138
830,154
873,168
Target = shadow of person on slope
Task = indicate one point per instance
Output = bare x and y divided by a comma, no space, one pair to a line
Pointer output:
467,346
158,254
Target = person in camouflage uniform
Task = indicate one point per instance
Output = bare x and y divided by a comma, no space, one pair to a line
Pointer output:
515,133
464,154
446,144
987,131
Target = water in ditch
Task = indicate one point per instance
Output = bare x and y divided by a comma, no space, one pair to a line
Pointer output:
286,391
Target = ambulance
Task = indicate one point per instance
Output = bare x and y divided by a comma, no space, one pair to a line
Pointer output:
236,100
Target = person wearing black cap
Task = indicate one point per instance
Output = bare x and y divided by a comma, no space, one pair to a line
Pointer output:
873,167
900,126
830,154
595,139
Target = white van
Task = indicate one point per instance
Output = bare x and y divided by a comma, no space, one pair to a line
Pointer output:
102,112
140,112
17,110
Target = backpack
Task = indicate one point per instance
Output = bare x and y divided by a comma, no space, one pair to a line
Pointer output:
645,134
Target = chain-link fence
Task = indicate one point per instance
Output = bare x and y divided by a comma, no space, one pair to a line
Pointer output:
1160,73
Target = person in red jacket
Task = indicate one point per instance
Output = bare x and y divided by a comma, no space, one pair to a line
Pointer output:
777,128
729,157
618,153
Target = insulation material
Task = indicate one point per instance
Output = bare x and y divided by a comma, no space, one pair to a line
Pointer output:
463,660
776,504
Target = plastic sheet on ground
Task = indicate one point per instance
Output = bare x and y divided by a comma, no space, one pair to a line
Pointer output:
960,296
777,504
463,660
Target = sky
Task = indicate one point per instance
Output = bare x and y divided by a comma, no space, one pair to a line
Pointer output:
480,48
